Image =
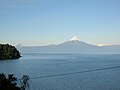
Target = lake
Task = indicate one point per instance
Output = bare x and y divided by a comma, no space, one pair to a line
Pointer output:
67,71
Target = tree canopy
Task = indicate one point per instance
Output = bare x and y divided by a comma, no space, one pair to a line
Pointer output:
8,52
8,83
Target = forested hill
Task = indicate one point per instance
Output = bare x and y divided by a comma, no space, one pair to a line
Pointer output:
8,52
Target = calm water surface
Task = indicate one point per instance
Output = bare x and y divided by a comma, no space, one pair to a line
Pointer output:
42,64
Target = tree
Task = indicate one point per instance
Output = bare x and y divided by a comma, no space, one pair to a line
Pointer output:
8,52
8,83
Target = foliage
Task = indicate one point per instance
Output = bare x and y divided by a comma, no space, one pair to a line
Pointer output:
8,52
8,83
24,82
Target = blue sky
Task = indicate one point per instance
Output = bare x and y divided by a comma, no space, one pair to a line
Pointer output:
41,22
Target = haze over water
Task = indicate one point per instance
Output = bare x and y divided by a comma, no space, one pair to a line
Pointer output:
45,64
52,22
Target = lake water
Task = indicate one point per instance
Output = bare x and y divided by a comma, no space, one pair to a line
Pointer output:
45,64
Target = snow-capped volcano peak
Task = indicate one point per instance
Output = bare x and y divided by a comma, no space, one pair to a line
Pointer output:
75,38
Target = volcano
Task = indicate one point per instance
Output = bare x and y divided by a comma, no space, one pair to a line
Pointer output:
72,45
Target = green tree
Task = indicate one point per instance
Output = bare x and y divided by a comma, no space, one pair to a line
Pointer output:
8,83
8,52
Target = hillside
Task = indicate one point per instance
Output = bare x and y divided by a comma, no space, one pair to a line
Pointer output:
70,46
8,52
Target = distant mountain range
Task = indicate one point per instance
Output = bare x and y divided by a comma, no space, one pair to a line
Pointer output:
73,45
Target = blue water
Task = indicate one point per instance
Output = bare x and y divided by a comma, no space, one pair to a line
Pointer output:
42,64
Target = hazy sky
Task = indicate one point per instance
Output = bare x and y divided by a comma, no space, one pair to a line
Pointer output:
40,22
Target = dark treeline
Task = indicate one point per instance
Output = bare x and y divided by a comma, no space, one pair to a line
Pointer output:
8,52
8,83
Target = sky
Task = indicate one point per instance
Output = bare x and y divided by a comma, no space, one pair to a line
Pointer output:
43,22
